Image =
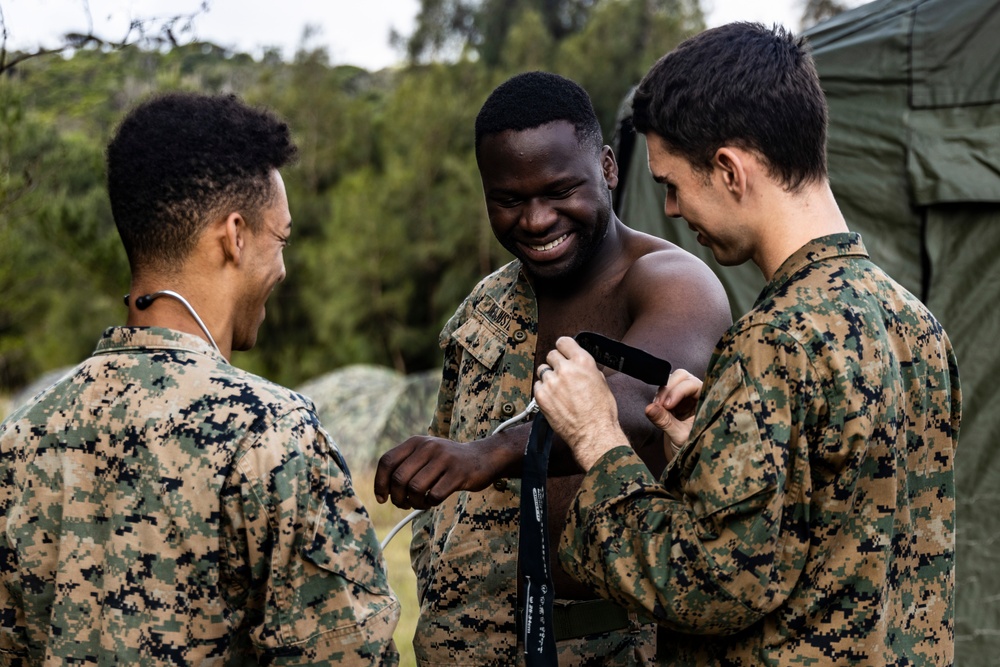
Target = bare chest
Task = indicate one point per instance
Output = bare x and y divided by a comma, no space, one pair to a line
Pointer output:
604,311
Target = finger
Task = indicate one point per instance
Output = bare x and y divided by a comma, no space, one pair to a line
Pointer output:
676,431
680,386
570,349
660,396
387,465
555,358
419,488
659,416
400,482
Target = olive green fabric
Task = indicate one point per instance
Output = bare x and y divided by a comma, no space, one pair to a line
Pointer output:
914,156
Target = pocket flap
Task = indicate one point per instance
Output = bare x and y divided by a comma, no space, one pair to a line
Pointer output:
484,335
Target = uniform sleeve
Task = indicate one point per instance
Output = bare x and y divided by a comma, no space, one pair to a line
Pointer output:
318,588
722,541
441,422
440,427
13,631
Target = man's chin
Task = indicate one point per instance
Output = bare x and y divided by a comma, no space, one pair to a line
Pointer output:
729,259
244,344
555,274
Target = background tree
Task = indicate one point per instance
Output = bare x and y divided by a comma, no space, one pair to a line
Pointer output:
390,228
815,11
151,32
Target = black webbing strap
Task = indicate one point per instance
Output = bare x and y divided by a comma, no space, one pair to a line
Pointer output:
533,549
533,544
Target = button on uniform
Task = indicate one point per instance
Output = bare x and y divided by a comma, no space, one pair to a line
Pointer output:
508,409
500,485
519,335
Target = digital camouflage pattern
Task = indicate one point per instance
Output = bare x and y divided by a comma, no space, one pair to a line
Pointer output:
810,519
368,409
464,552
161,507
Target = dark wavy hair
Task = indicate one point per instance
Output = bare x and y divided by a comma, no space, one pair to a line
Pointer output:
744,85
533,99
178,159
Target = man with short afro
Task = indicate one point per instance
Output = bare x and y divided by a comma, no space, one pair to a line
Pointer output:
547,180
181,158
160,506
534,99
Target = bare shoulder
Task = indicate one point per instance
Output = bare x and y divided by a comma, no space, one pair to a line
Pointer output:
658,263
677,305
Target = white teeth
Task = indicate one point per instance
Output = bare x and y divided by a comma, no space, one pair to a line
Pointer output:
551,245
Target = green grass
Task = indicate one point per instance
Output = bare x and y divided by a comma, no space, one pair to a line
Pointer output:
397,558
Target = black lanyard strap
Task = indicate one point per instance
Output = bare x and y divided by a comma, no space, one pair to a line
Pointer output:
538,634
533,549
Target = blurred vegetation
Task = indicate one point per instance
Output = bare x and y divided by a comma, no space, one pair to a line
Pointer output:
390,228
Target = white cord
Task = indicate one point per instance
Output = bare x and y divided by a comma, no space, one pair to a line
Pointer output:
532,407
190,309
392,533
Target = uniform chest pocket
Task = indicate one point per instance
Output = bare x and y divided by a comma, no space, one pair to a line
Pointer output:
484,335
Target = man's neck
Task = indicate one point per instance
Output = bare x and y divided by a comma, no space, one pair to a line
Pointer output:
170,313
792,221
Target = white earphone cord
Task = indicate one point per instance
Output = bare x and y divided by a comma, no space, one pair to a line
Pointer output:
149,298
532,408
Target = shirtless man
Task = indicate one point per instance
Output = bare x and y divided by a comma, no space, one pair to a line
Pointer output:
547,178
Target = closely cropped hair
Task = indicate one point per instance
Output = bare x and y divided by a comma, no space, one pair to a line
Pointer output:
533,99
179,159
744,85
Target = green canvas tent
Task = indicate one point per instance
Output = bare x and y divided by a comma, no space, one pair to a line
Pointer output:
914,156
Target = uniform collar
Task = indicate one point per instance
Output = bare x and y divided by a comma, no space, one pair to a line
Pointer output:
140,339
847,244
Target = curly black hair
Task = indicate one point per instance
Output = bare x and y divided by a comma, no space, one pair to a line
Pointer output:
532,99
178,159
741,84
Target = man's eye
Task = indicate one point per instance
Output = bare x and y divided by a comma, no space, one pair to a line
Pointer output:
562,194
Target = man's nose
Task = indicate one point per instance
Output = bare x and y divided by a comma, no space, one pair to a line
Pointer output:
670,206
537,215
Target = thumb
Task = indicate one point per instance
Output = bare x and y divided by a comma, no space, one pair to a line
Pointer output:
659,415
677,431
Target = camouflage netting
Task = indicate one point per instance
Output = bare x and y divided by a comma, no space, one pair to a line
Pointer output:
370,409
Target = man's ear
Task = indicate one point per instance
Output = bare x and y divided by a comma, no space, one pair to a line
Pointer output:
732,166
233,237
609,166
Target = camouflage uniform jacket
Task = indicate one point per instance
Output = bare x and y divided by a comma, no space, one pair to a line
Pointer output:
810,519
464,552
161,507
